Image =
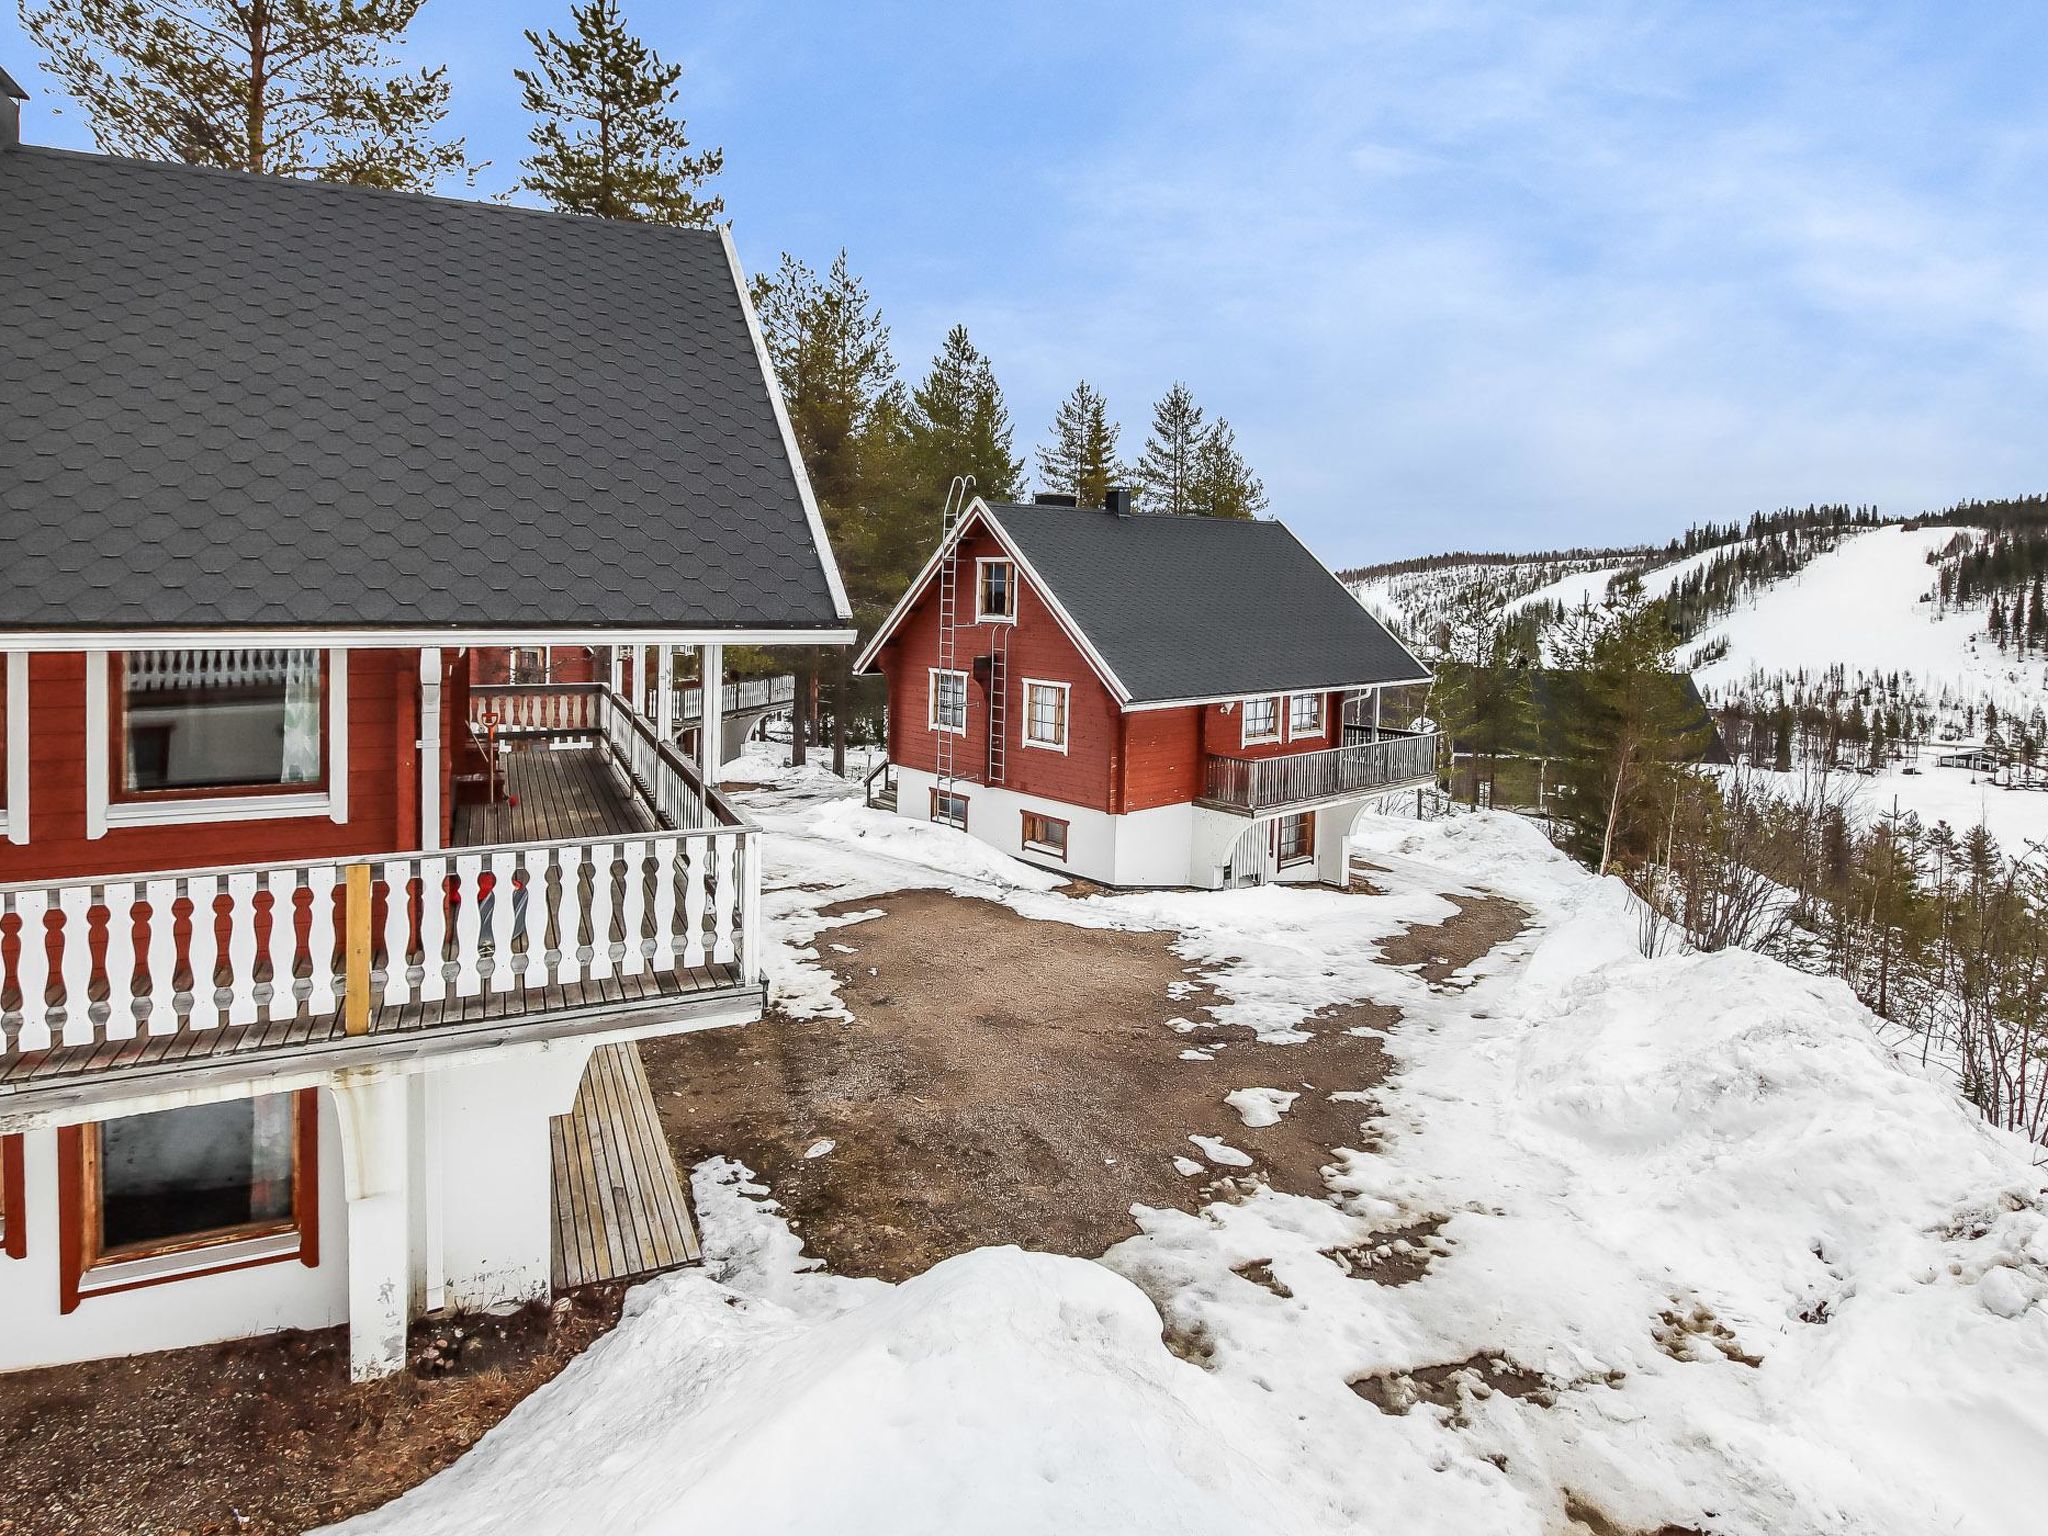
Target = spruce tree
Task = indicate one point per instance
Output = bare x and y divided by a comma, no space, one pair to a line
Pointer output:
958,424
1166,471
1081,459
1224,483
280,87
608,140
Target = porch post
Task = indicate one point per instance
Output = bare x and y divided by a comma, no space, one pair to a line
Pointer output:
372,1105
665,693
617,659
430,748
711,717
1378,694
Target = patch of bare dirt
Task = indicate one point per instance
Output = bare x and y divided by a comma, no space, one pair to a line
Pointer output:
1449,1386
1439,951
1397,1256
1588,1518
269,1434
1004,1080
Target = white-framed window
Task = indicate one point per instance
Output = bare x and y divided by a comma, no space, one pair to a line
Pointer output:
946,703
1045,834
14,747
995,591
1304,715
949,808
1261,720
182,737
1045,715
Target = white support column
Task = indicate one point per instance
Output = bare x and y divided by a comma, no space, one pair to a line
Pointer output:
16,727
711,716
337,736
97,767
429,1274
665,694
618,666
1378,696
430,748
372,1106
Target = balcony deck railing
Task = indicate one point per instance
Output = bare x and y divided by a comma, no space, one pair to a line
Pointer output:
1252,786
199,962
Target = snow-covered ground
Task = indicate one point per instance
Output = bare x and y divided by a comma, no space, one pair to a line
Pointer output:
1718,1260
2016,817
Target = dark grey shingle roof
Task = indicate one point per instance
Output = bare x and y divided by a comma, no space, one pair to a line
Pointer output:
1201,608
237,400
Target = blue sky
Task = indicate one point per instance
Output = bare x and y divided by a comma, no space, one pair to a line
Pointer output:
1474,275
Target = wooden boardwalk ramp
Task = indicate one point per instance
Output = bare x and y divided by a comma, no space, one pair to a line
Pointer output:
620,1210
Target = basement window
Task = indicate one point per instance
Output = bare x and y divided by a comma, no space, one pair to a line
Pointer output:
192,1190
1045,834
949,808
209,722
1294,838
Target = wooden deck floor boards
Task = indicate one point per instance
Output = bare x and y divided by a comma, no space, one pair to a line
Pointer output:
620,1210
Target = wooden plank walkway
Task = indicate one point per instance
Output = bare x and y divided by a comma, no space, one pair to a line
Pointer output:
620,1210
563,793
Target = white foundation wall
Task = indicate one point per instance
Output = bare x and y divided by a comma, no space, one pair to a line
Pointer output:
202,1309
477,1228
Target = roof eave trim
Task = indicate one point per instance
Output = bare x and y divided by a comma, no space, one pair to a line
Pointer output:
840,605
1272,693
399,637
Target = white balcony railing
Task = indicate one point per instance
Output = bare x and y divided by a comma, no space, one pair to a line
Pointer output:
1254,785
667,781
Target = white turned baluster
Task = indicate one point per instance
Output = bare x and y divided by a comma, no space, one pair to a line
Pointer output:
433,929
530,922
633,908
32,969
162,896
697,850
753,961
283,948
503,898
321,931
120,968
397,931
202,951
665,871
569,915
728,880
242,948
602,906
74,962
468,926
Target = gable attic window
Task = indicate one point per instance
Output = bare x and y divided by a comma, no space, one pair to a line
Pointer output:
1261,720
219,722
995,591
947,702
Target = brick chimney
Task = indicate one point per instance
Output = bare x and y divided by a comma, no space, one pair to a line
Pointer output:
11,98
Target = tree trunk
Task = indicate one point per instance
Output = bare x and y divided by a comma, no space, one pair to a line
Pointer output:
800,709
842,686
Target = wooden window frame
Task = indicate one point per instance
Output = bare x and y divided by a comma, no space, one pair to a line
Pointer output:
931,700
937,820
118,792
13,1199
1066,693
1035,845
983,615
1307,821
1322,730
79,1221
1245,738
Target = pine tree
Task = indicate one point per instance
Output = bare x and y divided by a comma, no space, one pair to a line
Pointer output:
1081,459
1166,471
831,353
609,142
279,87
1224,483
958,424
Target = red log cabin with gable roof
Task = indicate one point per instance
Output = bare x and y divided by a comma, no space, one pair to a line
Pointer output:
1141,700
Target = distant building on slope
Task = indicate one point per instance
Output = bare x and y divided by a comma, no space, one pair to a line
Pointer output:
1142,700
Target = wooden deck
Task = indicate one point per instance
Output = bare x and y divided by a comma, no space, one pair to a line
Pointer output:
620,1210
561,793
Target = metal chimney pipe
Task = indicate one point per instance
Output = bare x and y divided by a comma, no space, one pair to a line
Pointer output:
11,98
